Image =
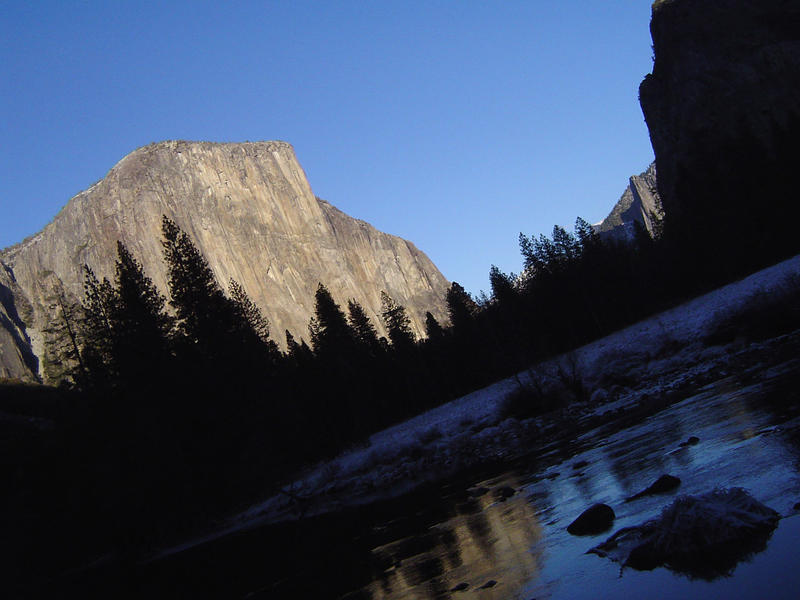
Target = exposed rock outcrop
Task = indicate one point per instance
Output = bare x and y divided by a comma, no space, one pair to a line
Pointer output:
640,203
17,360
250,210
723,109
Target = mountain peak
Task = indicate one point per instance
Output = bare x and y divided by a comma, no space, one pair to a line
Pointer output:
250,210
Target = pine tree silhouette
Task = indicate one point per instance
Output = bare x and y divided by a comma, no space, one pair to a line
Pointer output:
362,327
397,322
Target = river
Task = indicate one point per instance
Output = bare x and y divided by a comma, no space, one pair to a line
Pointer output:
500,533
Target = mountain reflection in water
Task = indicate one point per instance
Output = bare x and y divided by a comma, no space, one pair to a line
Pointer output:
489,539
501,533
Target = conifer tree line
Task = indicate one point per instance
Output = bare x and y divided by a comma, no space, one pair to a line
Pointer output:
192,403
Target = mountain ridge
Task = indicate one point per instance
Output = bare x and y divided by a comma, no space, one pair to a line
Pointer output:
639,203
251,211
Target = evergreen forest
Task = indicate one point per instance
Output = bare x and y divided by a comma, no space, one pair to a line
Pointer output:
178,407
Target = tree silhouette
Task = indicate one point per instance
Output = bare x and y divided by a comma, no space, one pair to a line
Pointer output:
397,323
139,323
503,288
433,330
461,308
329,330
362,327
248,312
587,236
202,310
97,333
63,358
253,329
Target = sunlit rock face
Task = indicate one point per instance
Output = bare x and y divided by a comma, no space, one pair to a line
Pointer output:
640,203
723,109
17,361
251,211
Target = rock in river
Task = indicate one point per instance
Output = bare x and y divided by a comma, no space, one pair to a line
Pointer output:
594,520
701,536
665,483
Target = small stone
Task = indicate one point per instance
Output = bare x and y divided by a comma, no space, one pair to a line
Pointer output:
460,587
489,584
593,520
692,441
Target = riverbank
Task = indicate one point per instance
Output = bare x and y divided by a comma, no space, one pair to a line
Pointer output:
625,377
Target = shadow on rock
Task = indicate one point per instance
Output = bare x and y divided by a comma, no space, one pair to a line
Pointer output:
703,537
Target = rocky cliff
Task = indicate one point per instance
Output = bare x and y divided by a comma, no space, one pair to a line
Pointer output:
640,203
250,210
17,360
723,109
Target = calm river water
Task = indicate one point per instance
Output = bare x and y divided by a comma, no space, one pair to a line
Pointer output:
502,535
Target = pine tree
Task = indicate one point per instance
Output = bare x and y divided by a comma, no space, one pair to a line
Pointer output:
126,329
291,343
547,255
362,327
397,323
433,330
526,249
503,289
566,246
99,299
63,361
248,312
293,349
253,327
201,308
140,324
461,308
330,333
587,236
298,357
212,332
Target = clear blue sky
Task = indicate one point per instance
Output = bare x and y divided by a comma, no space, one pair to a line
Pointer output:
453,124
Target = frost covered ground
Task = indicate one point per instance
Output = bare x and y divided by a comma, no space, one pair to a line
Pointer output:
642,364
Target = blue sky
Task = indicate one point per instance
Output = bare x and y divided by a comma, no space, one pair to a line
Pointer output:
453,124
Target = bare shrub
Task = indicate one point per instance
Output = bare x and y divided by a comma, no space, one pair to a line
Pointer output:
569,375
531,398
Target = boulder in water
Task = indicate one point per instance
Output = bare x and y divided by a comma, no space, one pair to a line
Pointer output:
593,520
700,536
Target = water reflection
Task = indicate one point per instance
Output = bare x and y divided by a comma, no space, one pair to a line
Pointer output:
466,535
489,545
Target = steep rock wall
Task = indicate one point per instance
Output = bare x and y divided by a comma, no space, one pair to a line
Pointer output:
639,203
17,360
250,210
723,109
